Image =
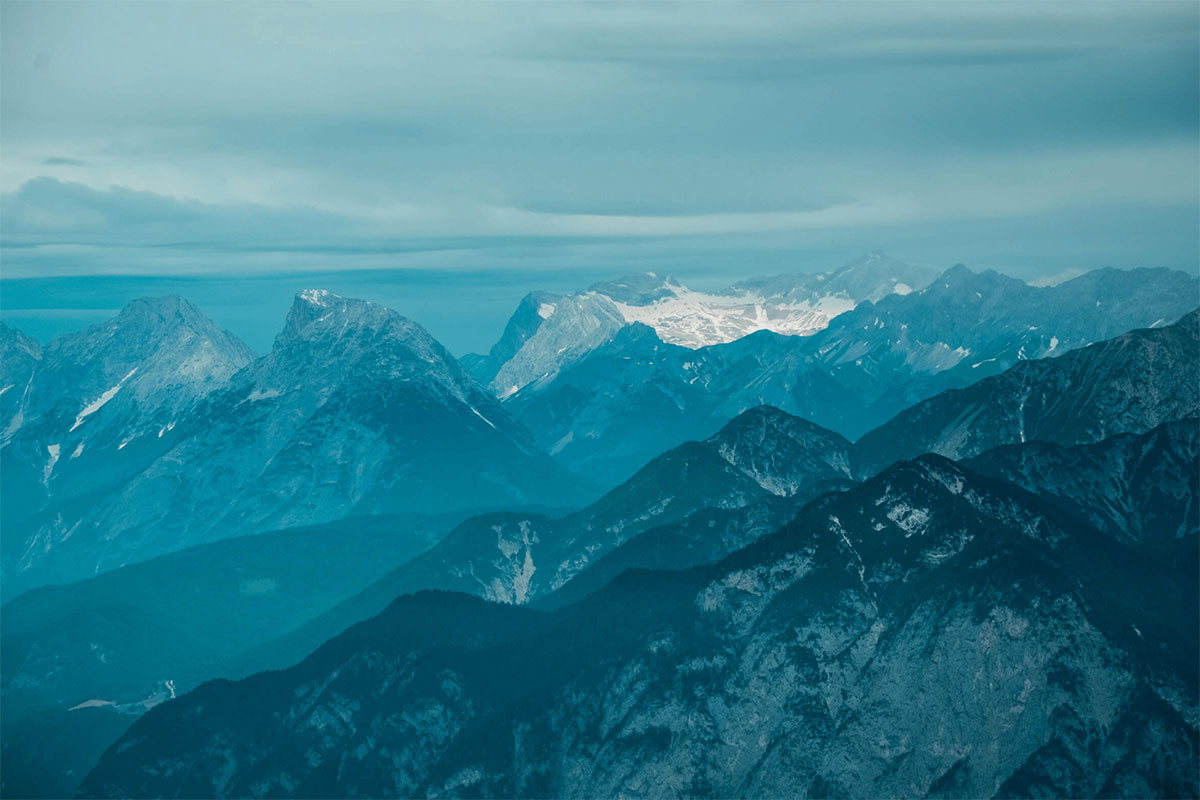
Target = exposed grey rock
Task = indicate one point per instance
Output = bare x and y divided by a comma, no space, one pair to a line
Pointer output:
1129,384
93,410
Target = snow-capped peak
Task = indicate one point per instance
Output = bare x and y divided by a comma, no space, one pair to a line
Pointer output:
316,297
316,312
788,304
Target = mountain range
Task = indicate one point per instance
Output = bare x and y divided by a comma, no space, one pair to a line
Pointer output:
686,577
549,331
1127,384
606,411
789,668
356,410
157,431
1136,383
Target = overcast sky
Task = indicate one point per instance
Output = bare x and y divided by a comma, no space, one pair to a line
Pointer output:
544,145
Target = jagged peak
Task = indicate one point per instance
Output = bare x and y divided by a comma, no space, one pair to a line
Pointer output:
319,298
758,415
641,289
767,426
345,331
11,337
871,259
537,307
165,311
931,470
311,306
635,333
960,276
150,325
772,416
959,271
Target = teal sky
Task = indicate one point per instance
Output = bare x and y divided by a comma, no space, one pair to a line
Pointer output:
446,158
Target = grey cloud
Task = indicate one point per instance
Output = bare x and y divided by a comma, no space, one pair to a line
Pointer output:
571,134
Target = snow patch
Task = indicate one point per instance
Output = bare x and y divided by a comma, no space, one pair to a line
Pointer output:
93,703
546,310
317,297
98,403
695,319
261,394
53,450
563,442
910,520
482,417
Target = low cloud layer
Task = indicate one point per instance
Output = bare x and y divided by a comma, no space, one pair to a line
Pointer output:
707,138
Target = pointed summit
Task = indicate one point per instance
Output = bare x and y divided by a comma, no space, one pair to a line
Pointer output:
782,452
639,290
17,353
312,307
94,410
875,275
875,259
958,272
162,313
988,282
173,353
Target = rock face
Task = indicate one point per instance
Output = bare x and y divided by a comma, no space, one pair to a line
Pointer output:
91,410
1129,384
355,410
19,356
980,324
932,632
1141,488
608,411
547,332
1137,488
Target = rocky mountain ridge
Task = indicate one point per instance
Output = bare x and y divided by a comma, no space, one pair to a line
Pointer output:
789,668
